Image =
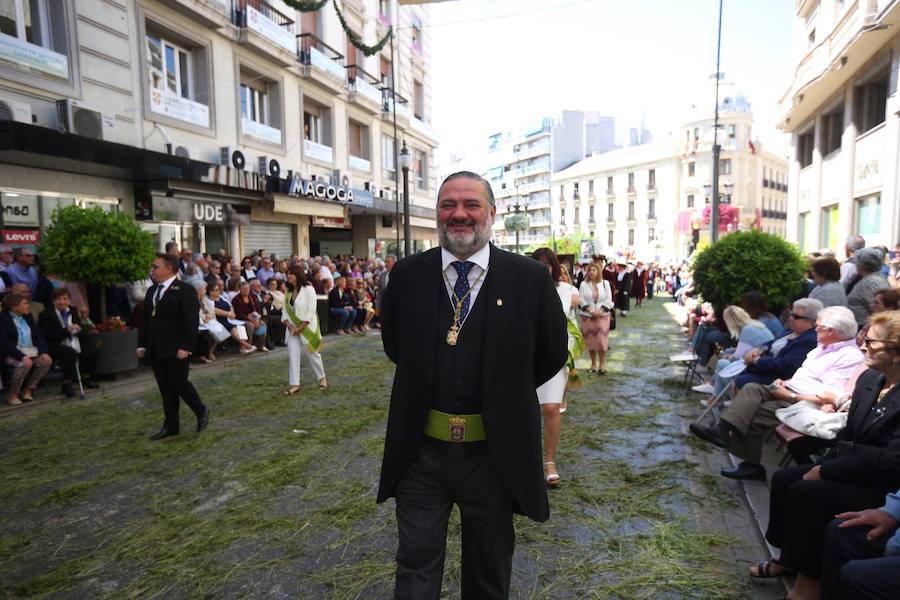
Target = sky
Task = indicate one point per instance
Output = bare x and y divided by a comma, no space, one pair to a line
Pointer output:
499,64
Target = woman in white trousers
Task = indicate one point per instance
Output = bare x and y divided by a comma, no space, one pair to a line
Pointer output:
300,328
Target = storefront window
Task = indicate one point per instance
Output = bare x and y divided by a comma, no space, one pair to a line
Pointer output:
830,235
868,218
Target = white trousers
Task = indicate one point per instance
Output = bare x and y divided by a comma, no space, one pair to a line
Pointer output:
297,346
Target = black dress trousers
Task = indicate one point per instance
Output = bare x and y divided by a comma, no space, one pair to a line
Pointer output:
172,379
855,567
442,474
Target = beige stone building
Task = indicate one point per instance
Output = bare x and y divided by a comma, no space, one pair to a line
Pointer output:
236,124
646,200
841,110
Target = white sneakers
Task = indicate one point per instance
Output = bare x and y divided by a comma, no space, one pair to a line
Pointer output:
704,388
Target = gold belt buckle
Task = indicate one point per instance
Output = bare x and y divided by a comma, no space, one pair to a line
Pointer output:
457,429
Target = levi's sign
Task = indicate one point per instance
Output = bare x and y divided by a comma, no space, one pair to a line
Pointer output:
297,186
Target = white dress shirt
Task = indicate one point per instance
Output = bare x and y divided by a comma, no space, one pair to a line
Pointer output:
480,258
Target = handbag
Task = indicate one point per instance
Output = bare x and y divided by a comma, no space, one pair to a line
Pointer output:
612,319
217,330
242,332
261,330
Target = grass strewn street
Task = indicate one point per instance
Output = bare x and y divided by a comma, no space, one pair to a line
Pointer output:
276,498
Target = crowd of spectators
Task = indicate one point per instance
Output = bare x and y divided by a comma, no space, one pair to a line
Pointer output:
817,382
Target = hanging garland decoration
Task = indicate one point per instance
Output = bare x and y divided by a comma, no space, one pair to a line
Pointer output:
306,6
357,41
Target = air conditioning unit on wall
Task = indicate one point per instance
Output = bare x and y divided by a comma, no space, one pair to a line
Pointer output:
12,110
78,119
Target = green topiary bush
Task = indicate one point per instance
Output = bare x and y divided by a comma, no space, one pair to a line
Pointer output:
749,261
97,247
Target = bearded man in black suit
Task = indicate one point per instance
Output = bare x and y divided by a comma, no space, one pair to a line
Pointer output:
167,334
473,331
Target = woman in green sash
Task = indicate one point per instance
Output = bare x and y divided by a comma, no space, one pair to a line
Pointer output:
302,330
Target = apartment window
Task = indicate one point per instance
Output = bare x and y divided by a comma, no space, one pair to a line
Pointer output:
170,66
631,237
316,122
631,210
696,133
575,193
869,103
651,179
805,142
610,212
359,140
309,21
631,182
386,80
651,208
609,238
687,136
590,187
384,11
421,167
725,166
418,100
651,234
387,157
417,35
609,185
731,131
37,22
562,215
591,214
255,100
691,169
833,126
690,201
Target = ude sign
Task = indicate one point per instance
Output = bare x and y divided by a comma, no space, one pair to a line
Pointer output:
209,213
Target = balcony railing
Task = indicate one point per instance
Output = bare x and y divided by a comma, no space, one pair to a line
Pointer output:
314,52
387,103
362,82
267,21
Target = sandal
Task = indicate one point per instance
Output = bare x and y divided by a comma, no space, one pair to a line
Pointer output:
323,385
563,406
14,401
292,390
601,371
764,569
552,478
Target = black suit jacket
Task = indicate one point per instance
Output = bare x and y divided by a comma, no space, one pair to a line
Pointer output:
868,449
9,337
175,325
51,326
525,327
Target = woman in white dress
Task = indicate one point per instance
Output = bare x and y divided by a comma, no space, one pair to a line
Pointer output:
551,394
302,334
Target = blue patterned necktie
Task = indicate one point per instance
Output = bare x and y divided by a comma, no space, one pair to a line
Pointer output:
461,288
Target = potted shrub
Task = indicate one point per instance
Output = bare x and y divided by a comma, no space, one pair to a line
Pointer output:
749,261
101,249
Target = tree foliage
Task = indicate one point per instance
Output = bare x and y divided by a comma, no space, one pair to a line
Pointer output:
95,246
749,261
516,222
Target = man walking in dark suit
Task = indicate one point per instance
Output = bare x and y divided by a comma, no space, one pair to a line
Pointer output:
473,331
166,336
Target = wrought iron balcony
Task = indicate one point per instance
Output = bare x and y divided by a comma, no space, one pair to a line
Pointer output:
387,104
313,52
363,83
267,22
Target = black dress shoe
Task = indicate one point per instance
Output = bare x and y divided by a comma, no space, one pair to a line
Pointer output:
89,384
713,435
163,433
746,470
203,421
69,391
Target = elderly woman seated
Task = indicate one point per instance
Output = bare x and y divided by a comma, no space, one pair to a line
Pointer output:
24,348
854,475
749,334
206,340
826,274
861,291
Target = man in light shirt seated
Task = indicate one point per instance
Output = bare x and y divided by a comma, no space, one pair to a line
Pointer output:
743,425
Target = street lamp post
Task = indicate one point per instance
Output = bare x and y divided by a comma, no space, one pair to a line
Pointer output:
518,208
716,149
405,164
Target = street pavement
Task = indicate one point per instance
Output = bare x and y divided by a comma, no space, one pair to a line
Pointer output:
276,498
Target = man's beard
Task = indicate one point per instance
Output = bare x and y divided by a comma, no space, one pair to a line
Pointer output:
464,245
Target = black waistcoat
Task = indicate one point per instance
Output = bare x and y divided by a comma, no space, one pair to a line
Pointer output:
458,369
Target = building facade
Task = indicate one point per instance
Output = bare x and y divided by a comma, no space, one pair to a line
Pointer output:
521,164
842,113
651,201
236,124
